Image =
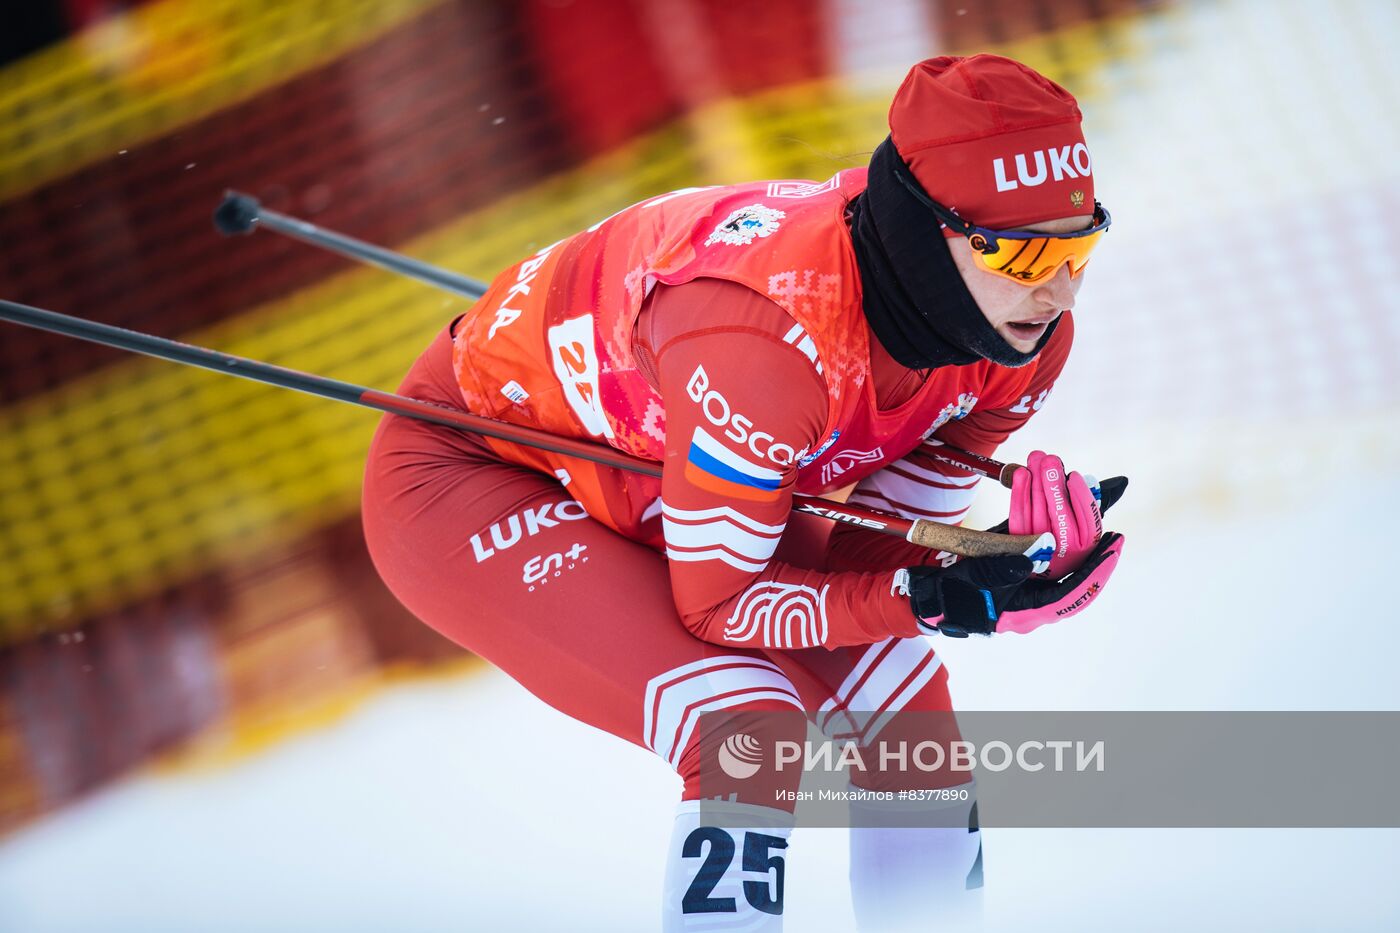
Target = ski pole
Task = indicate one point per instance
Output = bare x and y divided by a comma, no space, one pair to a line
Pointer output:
929,534
983,466
241,213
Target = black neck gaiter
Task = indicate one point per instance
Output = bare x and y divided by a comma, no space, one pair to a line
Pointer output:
913,295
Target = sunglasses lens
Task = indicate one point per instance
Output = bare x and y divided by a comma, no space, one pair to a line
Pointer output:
1034,260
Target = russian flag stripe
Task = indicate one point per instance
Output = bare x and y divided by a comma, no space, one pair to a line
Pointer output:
714,458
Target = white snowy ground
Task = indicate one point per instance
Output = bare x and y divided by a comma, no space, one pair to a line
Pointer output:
467,805
1235,356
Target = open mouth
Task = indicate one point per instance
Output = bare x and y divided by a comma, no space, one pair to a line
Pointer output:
1021,329
1033,329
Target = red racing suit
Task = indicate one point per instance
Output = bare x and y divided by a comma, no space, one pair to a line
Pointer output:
719,331
744,401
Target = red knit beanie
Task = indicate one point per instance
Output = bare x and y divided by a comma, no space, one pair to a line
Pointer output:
994,140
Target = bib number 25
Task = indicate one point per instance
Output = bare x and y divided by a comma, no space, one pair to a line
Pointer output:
759,856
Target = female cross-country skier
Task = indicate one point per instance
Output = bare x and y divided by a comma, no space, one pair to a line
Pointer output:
759,340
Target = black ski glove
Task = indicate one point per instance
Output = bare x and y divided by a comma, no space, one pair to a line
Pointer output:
983,595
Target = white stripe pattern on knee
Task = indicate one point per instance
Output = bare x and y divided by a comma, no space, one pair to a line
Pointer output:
885,678
676,698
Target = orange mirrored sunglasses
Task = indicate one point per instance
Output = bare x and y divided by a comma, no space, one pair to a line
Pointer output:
1020,255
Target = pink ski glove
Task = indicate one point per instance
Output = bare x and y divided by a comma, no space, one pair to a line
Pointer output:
1045,498
986,595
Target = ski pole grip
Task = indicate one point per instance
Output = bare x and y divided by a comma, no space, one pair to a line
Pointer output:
968,542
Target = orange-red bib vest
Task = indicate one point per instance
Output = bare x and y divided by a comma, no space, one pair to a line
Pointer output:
550,343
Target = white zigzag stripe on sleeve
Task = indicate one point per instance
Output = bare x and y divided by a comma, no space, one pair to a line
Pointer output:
874,500
935,476
914,492
935,504
719,534
716,554
723,511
